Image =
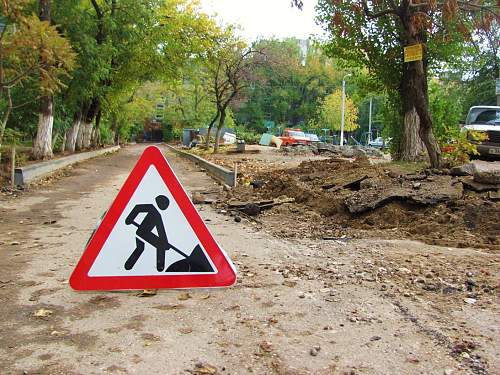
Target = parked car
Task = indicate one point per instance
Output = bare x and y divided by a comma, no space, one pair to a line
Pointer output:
485,119
312,137
379,142
291,137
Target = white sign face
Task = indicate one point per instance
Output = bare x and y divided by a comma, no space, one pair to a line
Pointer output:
497,86
136,242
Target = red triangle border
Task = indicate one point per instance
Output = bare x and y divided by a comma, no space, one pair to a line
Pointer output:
226,275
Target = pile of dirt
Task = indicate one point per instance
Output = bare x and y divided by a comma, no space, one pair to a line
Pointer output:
339,198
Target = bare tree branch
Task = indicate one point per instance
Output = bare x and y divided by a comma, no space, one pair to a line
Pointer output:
418,5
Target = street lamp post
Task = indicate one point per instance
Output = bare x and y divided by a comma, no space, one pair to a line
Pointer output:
370,123
343,109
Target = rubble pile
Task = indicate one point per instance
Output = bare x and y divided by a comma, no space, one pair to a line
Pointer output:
331,149
341,199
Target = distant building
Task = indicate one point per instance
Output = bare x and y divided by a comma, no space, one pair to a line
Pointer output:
153,127
153,131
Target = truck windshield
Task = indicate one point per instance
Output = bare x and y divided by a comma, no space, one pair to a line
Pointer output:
293,133
485,116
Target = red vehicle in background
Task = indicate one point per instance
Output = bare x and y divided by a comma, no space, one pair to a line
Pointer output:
291,137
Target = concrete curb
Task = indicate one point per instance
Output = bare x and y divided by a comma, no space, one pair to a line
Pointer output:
32,172
221,174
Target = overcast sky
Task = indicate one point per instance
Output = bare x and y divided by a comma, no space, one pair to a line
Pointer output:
265,18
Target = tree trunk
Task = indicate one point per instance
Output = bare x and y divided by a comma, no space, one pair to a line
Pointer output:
414,88
73,131
222,118
86,134
91,113
427,136
422,108
96,137
209,130
5,118
63,142
115,129
42,149
79,137
411,144
96,134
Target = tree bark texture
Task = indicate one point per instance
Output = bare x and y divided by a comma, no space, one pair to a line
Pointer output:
79,138
411,144
209,130
73,132
414,91
220,125
96,133
415,80
89,117
63,142
42,148
86,134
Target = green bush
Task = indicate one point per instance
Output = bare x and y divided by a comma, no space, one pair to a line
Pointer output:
12,136
393,122
248,135
446,110
462,146
106,134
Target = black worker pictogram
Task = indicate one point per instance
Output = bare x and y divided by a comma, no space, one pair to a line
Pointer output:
152,231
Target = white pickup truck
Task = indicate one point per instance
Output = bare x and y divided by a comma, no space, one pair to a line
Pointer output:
485,119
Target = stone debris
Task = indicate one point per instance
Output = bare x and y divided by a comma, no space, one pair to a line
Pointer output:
491,177
440,190
463,170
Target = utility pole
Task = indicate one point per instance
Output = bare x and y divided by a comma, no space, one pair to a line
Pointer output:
343,110
370,122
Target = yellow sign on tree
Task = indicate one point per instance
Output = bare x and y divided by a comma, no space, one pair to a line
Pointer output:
414,52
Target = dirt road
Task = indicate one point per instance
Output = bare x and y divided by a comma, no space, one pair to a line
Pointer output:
299,306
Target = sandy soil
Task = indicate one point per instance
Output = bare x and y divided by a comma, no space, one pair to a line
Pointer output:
300,306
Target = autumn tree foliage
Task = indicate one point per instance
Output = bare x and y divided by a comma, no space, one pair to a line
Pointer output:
29,47
373,33
331,109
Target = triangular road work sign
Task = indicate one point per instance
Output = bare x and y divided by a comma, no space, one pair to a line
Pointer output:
152,237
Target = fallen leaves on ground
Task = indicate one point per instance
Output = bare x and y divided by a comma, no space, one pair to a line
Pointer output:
43,313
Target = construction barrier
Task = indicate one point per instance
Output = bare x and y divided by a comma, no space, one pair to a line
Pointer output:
221,174
32,172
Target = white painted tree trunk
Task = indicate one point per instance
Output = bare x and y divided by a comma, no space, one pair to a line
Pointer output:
412,147
87,134
42,148
79,137
63,142
95,137
73,135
